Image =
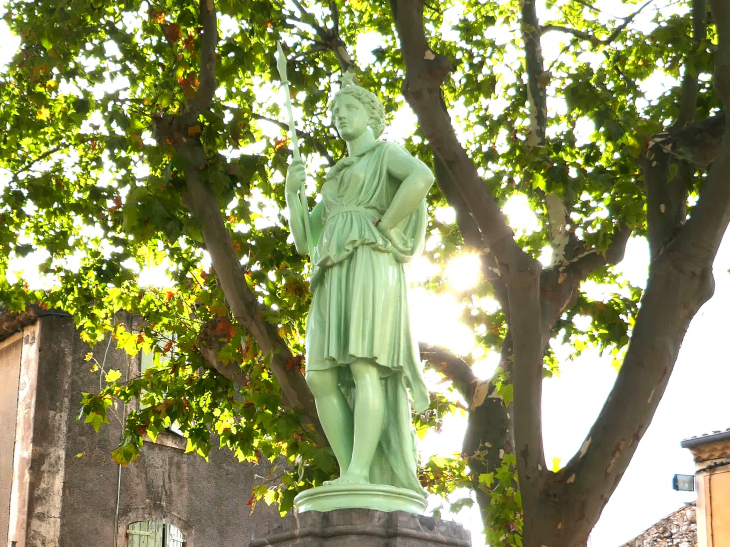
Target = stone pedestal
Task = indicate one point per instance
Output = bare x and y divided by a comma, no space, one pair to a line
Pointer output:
362,528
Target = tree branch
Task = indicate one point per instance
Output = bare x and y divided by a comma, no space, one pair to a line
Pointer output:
489,433
28,166
425,72
587,36
666,200
337,44
203,203
704,230
537,80
209,347
207,86
690,85
721,77
452,367
627,21
335,18
594,40
330,39
589,6
246,309
559,284
534,67
315,143
680,281
677,287
697,143
470,231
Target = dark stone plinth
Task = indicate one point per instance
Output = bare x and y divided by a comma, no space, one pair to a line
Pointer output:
362,528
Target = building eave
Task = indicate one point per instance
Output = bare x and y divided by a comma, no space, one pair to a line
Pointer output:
12,322
707,438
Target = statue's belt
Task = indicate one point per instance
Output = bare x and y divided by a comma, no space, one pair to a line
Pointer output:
373,214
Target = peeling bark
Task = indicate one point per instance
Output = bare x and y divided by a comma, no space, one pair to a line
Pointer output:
559,236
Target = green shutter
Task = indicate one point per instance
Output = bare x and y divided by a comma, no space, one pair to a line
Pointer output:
154,534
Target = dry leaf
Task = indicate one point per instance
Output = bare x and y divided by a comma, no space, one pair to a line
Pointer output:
172,32
155,16
189,92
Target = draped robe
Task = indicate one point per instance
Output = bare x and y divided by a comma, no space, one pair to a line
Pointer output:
360,306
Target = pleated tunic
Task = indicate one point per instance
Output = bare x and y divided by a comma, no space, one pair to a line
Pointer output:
360,306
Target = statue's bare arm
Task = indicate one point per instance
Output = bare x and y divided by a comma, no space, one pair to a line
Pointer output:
416,181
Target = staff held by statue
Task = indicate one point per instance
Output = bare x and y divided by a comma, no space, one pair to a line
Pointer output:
281,65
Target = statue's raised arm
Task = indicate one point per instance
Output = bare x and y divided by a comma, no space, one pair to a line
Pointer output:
304,242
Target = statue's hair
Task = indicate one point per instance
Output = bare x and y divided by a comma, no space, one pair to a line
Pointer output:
369,100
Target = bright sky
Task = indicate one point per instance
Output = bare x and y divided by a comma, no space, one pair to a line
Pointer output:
571,402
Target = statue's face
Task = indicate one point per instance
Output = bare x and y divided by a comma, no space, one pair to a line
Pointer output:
350,117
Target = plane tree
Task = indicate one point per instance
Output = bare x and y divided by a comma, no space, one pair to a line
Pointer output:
139,134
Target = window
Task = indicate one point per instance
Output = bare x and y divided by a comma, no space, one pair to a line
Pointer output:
154,533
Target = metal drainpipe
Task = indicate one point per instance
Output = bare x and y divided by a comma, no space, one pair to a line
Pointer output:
119,474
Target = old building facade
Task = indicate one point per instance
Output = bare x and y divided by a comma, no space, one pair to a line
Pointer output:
58,483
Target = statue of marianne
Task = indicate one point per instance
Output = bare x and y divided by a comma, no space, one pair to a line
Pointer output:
361,355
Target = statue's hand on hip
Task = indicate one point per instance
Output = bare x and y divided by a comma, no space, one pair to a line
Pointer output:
295,177
387,232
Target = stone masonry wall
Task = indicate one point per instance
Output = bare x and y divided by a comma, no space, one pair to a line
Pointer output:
206,500
677,530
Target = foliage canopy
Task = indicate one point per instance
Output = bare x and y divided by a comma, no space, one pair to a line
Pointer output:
139,134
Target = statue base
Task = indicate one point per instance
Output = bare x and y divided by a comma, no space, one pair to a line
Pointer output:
364,528
367,496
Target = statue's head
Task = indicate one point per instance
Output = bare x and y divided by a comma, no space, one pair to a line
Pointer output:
368,100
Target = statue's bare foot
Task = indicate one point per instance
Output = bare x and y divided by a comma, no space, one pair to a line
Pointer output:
348,479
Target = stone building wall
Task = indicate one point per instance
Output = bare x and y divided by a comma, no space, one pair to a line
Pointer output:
76,496
677,530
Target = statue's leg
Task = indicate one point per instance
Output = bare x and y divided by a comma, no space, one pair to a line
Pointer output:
334,413
369,419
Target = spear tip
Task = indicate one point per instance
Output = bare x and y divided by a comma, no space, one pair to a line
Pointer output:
281,62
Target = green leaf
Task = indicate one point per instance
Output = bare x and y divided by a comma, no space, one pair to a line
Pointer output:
96,419
673,168
487,479
506,391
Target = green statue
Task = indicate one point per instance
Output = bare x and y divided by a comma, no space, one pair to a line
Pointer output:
361,354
